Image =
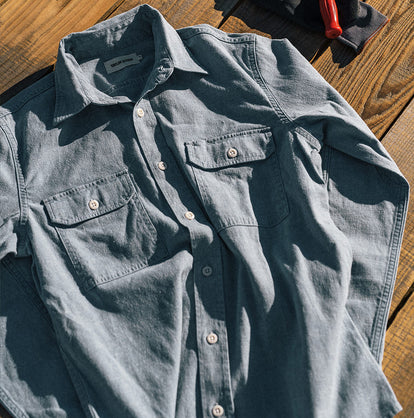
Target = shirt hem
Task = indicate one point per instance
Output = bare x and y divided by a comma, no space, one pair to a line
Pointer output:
12,407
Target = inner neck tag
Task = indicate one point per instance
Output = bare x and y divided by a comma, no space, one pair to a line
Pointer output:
118,63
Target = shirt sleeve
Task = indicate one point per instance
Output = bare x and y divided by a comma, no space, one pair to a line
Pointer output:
34,379
9,195
367,194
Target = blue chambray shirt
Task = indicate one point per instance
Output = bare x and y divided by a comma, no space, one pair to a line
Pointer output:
192,224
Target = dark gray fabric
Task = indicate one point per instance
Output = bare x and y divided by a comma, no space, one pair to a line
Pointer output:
366,25
359,21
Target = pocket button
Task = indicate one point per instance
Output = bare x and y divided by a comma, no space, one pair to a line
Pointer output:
232,153
212,338
93,204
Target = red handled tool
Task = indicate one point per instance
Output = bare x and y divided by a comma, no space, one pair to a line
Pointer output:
329,14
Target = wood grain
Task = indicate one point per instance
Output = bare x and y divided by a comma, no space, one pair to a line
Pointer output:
379,82
398,363
181,13
399,142
30,35
248,17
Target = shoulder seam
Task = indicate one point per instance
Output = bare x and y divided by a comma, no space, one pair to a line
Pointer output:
243,38
272,98
262,83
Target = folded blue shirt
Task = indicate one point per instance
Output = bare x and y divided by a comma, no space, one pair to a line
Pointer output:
205,228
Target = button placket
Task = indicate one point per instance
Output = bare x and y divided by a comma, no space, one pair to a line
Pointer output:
207,271
162,165
189,215
210,317
217,410
208,294
212,338
154,149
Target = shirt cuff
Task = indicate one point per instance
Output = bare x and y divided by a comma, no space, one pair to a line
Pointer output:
360,22
361,30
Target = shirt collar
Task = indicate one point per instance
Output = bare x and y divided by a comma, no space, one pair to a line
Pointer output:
74,92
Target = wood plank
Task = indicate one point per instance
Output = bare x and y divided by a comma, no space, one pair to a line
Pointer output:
22,84
399,142
248,17
181,13
398,363
379,82
30,35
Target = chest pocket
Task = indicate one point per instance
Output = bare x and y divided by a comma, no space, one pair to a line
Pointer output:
239,179
105,229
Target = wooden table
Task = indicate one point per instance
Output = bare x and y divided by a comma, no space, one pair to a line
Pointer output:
378,83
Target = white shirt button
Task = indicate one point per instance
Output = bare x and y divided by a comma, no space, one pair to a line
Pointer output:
162,165
189,215
140,112
232,152
218,410
207,271
93,204
212,338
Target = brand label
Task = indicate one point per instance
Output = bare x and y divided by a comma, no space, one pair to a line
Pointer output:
118,63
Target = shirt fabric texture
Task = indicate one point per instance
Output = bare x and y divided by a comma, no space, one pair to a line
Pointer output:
192,224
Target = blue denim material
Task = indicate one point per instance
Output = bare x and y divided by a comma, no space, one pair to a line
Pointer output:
289,258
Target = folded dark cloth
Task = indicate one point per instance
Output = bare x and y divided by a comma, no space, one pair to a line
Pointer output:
359,21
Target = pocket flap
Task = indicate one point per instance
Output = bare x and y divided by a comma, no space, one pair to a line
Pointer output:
231,149
90,200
